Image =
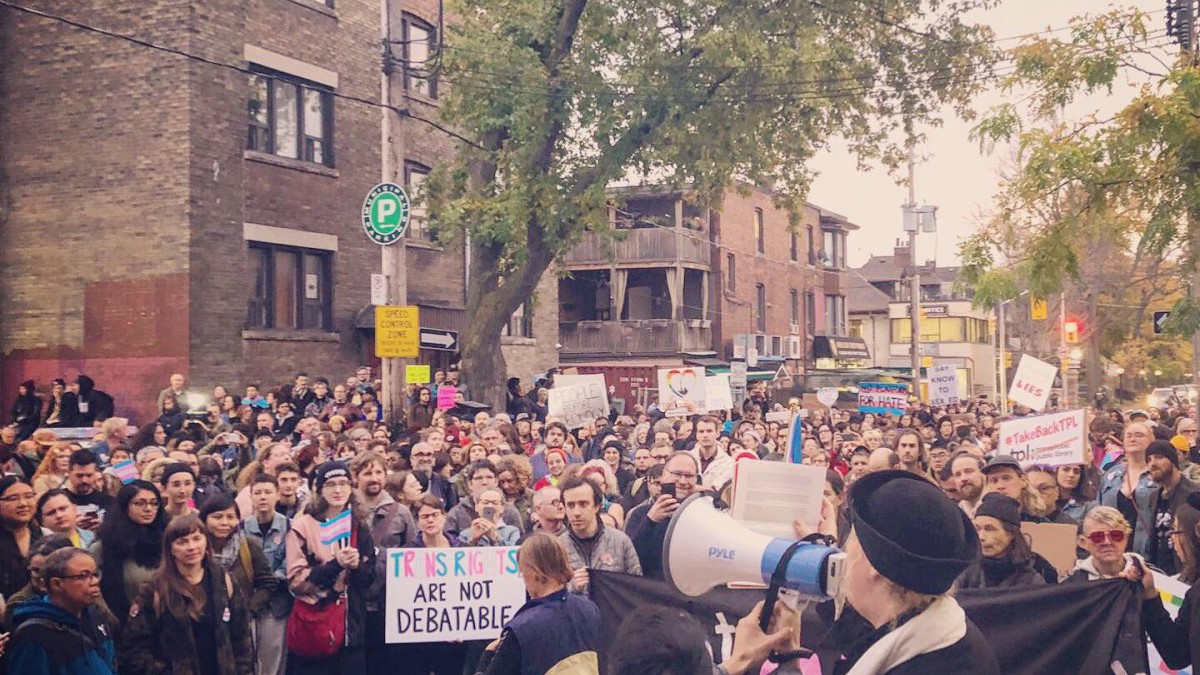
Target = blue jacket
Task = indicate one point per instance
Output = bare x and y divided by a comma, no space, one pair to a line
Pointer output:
1144,497
554,628
50,641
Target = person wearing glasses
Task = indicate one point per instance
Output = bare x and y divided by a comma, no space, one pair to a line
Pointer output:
190,618
1103,533
129,545
648,528
440,658
63,631
18,532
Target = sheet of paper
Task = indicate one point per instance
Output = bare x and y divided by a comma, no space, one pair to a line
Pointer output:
768,496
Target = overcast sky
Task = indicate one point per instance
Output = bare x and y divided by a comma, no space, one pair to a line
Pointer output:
955,177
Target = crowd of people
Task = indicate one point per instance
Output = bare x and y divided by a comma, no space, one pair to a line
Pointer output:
194,545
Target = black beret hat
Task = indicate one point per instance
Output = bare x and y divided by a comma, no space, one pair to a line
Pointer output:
911,532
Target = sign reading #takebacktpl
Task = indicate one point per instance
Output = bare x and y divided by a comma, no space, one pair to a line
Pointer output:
1052,440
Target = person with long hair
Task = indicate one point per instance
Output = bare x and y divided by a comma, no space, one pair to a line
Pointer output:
555,630
1177,639
420,415
129,545
189,618
240,556
1007,559
18,533
320,574
1074,492
53,470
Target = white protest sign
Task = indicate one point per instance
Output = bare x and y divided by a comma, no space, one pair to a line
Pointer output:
943,385
1053,439
1032,382
439,594
678,387
717,394
578,404
827,396
562,380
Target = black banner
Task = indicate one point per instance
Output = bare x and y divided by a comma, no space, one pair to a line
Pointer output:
1069,629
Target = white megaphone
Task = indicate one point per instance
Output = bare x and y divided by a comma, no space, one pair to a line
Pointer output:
705,548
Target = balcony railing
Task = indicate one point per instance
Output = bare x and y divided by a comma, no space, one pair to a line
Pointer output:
642,245
643,337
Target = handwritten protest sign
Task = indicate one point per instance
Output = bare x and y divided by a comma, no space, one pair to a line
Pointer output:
681,386
445,399
943,385
882,397
1032,382
1053,440
451,594
578,404
418,374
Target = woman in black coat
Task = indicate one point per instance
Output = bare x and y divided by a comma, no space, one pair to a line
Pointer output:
1174,638
26,410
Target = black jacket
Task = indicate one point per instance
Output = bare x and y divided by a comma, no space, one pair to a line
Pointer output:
972,655
648,537
98,404
68,415
1174,639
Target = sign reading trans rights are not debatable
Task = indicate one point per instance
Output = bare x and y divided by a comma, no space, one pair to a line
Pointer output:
435,595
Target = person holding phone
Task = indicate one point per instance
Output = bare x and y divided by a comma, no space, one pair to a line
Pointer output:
648,528
488,529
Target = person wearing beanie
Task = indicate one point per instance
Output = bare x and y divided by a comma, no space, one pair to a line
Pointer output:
1169,494
907,545
1007,560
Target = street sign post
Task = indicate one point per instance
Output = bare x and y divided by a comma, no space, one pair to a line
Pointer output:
436,338
378,289
1160,320
396,332
385,213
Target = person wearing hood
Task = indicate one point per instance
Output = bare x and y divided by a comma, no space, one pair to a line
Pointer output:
1007,560
26,410
94,405
63,633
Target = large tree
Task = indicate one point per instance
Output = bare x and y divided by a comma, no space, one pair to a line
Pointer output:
556,99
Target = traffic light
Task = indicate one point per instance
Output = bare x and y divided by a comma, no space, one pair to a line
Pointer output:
1071,332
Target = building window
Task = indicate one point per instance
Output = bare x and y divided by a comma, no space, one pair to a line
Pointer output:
419,43
835,314
812,246
292,287
794,249
290,118
730,273
856,328
760,308
941,329
834,255
418,224
810,313
795,298
760,235
520,324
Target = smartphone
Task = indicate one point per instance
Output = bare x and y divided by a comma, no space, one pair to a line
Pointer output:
668,489
488,512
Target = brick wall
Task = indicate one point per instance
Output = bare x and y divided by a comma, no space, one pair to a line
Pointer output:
527,356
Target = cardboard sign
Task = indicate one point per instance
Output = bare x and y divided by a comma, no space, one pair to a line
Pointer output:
1052,440
827,396
416,374
579,404
943,385
445,400
883,397
681,386
1032,382
718,396
438,594
1055,542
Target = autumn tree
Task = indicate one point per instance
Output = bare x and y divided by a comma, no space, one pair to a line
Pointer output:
555,99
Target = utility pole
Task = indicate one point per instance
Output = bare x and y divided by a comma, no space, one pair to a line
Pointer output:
1181,25
1002,366
915,218
392,256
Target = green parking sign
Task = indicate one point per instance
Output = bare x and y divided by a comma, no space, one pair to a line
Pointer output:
385,213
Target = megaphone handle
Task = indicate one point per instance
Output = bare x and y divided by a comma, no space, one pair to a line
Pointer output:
778,577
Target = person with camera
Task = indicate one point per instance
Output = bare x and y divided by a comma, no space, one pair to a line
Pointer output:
488,529
648,528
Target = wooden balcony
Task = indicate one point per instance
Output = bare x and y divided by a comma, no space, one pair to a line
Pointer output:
641,247
643,337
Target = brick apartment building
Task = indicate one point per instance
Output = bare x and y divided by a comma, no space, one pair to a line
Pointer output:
164,214
682,284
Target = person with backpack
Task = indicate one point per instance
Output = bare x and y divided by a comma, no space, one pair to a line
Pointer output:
239,555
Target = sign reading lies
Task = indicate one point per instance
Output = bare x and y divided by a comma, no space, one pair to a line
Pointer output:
434,595
1052,440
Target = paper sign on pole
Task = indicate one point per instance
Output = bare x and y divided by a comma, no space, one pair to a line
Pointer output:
1032,382
827,396
434,595
882,397
717,394
681,388
445,400
578,404
943,385
1054,439
416,374
737,374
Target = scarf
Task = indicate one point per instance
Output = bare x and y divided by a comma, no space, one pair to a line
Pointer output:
228,554
941,624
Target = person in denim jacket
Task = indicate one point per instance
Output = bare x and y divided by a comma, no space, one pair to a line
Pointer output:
1127,486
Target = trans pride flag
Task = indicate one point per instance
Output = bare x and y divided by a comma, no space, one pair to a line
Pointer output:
337,528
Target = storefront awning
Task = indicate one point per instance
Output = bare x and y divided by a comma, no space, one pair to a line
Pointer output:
840,348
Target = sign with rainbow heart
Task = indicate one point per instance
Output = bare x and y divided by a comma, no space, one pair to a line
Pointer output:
682,387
